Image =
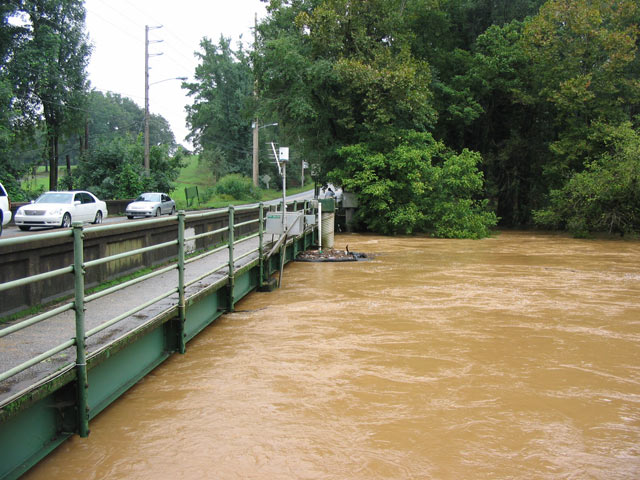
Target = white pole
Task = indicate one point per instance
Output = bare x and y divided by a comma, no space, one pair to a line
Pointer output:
320,225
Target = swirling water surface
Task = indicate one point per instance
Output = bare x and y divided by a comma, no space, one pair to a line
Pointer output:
513,357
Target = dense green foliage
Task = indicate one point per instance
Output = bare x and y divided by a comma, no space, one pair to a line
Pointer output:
441,115
417,186
237,187
605,196
537,89
47,112
46,69
220,116
113,169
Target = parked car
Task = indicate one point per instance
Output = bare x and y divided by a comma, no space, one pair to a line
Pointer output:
61,209
151,204
5,208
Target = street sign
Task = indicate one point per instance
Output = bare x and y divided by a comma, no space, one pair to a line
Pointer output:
284,154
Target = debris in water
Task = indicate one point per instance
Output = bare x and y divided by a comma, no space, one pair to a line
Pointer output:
330,255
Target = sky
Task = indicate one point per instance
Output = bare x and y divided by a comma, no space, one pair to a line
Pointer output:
116,29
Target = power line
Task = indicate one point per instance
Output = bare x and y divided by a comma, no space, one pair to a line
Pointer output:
137,39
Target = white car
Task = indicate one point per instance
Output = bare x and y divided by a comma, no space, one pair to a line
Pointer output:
61,209
151,204
5,208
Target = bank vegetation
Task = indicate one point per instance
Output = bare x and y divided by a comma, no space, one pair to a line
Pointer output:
448,117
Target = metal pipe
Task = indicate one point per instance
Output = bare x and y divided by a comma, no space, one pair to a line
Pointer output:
207,234
319,220
248,237
181,305
30,363
130,253
37,319
245,209
205,254
282,237
246,223
116,226
212,213
124,285
231,275
81,353
35,278
205,275
8,242
246,254
260,244
121,317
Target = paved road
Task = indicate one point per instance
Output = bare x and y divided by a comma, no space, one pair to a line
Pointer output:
10,231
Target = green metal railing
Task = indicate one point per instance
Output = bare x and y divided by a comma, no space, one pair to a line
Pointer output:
79,268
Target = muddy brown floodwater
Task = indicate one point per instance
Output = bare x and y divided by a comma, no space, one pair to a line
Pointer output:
514,357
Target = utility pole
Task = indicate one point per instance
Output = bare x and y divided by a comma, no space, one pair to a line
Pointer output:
146,94
255,123
146,100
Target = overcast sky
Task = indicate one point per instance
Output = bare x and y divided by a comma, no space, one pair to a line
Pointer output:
116,29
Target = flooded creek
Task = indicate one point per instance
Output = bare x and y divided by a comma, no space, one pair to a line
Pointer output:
516,357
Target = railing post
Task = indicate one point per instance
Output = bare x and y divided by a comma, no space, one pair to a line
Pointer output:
181,305
305,244
295,240
231,267
283,247
260,242
81,354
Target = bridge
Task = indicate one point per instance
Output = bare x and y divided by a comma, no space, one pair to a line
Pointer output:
62,367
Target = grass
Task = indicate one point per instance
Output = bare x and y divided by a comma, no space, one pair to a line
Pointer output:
192,175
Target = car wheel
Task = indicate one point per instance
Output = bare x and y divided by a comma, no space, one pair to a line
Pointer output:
173,211
130,217
24,228
157,214
98,218
66,220
1,225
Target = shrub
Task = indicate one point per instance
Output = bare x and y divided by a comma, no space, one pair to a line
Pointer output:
237,187
417,186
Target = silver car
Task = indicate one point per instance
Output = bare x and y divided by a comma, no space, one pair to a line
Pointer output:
151,204
60,209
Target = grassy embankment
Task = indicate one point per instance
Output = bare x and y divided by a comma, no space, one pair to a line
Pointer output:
192,175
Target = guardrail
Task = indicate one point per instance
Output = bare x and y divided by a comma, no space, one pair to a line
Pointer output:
79,271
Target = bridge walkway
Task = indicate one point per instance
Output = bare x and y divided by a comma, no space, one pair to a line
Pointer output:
25,344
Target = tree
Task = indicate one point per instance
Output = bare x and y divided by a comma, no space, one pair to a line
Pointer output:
219,118
585,56
9,35
113,168
417,186
47,68
510,129
337,73
606,195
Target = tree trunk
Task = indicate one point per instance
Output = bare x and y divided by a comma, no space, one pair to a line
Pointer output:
53,162
86,135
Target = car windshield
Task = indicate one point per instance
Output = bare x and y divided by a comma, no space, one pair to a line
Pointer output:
148,197
55,197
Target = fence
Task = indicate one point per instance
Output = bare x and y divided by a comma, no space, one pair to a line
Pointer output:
79,269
